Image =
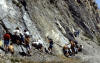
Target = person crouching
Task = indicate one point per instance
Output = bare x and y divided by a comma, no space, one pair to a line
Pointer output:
66,51
11,48
38,45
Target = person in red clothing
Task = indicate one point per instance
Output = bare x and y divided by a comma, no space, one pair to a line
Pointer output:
6,41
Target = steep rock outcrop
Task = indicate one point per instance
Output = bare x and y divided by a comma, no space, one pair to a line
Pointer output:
56,19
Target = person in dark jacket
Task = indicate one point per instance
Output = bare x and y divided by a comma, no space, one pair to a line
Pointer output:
50,45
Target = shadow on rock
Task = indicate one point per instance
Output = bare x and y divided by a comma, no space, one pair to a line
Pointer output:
22,53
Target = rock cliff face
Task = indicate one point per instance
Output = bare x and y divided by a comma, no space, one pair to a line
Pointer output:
56,19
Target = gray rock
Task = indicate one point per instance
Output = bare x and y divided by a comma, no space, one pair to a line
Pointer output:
56,19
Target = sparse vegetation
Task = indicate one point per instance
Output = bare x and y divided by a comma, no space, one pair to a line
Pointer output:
14,60
98,39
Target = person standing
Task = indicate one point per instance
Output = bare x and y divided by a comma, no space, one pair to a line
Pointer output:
27,42
18,35
6,41
50,45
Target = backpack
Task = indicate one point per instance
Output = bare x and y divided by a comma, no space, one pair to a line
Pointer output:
6,36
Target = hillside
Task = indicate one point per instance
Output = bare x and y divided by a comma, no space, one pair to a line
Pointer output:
56,19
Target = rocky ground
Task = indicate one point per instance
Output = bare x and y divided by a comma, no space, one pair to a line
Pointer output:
37,57
56,19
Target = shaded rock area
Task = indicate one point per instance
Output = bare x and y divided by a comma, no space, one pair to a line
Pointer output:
56,19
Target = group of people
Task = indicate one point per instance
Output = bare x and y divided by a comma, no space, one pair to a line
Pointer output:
72,48
17,37
39,45
23,38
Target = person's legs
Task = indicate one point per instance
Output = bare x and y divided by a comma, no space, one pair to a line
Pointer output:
73,51
28,49
67,54
6,44
22,39
50,48
70,51
5,47
40,47
17,40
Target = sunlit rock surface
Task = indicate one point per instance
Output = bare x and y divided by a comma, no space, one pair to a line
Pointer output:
56,19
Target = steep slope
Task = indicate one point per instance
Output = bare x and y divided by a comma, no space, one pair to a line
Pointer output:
56,19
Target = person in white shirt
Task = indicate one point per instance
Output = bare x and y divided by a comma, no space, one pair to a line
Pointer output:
38,45
26,33
17,33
